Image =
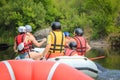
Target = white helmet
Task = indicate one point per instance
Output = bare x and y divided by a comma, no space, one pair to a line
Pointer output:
28,28
21,29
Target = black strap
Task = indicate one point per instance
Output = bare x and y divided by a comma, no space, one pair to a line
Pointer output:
61,43
80,44
56,49
56,45
49,55
54,42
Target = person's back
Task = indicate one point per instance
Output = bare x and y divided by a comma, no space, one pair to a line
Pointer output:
28,32
32,39
82,44
71,50
55,42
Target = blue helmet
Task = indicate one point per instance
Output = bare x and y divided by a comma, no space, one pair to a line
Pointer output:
67,33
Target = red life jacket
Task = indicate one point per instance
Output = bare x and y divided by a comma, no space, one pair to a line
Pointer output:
69,52
81,45
19,39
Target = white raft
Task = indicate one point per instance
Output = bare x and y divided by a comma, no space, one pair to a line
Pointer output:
80,63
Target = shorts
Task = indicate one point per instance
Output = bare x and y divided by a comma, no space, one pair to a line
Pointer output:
22,56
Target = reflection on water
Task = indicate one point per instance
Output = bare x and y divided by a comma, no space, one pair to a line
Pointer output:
111,61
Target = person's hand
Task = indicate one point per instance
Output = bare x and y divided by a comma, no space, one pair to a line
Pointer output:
16,51
43,58
44,40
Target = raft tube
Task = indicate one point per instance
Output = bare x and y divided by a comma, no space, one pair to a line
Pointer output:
38,70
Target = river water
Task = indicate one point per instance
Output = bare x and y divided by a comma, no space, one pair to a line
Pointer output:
111,59
110,64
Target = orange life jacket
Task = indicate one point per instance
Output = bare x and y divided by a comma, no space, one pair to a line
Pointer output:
57,44
19,39
69,52
81,45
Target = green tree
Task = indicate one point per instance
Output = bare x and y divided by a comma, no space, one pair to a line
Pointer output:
22,12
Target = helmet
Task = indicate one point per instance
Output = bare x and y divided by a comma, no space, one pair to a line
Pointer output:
78,31
67,33
28,28
56,25
21,29
73,45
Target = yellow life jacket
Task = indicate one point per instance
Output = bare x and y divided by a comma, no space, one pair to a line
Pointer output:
57,42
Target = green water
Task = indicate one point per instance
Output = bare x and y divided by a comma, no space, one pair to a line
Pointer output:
111,61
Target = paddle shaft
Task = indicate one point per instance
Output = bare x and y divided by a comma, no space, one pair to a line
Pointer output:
5,46
95,58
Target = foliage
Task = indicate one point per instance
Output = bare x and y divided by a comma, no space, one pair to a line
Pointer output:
102,16
22,12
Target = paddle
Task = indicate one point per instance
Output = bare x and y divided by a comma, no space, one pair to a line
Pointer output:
4,46
95,58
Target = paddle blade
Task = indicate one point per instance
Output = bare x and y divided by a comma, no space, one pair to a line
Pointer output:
4,46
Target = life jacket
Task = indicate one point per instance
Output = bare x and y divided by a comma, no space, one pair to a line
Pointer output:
19,39
81,45
57,44
69,52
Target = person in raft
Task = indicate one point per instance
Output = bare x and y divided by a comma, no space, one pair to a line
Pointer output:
22,45
82,44
67,38
29,33
55,42
71,50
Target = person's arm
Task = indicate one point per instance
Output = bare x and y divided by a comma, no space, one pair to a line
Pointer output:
15,47
87,47
36,43
47,48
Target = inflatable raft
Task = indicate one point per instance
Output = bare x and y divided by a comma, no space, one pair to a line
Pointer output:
80,63
38,70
